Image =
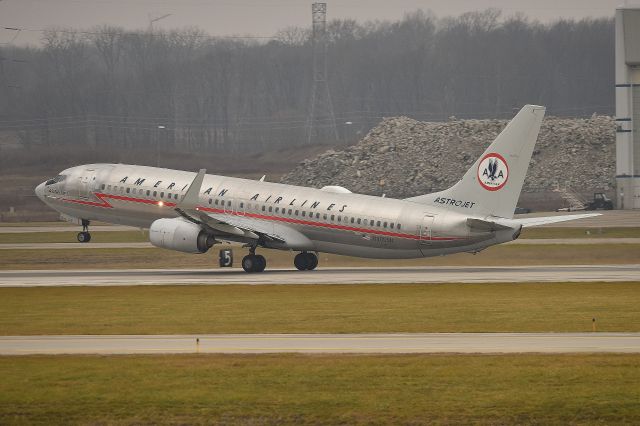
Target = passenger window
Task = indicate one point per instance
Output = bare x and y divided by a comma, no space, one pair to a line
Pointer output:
359,221
371,223
241,205
162,195
169,195
317,215
128,190
155,193
324,216
333,217
384,225
270,209
296,212
353,220
391,225
109,187
398,226
209,200
339,218
102,187
216,202
378,223
277,209
148,192
228,203
290,212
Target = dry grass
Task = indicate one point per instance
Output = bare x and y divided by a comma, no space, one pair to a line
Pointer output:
70,237
327,389
559,307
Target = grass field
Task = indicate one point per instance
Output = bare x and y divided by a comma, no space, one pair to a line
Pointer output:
543,254
299,389
558,307
70,237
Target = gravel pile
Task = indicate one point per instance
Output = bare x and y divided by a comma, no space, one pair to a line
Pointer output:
402,157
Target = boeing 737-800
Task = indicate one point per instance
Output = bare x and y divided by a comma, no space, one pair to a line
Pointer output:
190,212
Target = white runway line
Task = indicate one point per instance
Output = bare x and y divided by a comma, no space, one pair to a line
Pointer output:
392,275
326,343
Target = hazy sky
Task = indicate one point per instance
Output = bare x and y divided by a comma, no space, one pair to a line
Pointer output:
259,17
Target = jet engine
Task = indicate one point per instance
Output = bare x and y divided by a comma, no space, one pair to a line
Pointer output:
180,235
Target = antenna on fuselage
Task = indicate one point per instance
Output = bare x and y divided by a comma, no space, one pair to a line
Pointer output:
262,178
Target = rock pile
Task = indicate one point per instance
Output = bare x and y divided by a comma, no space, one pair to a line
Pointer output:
402,157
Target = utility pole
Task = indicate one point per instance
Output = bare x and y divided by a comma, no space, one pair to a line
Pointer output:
321,121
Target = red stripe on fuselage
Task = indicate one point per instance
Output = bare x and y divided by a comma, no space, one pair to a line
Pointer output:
105,204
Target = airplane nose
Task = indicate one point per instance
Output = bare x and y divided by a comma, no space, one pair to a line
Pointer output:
40,191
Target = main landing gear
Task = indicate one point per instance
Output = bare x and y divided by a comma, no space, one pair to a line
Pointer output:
84,236
305,261
254,262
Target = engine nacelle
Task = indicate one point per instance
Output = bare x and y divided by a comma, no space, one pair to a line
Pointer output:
180,235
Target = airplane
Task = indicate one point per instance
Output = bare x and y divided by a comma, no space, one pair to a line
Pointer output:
190,212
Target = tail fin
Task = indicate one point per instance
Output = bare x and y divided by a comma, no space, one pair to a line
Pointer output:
491,187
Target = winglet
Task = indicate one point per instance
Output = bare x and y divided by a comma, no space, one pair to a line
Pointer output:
191,198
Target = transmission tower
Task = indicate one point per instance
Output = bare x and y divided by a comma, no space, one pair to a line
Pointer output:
321,122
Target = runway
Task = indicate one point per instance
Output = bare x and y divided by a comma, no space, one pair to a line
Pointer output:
395,275
325,343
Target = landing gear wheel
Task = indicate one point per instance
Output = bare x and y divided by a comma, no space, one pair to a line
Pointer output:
254,263
305,261
313,261
261,263
84,236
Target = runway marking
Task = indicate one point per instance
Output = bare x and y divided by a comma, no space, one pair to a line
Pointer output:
359,275
326,343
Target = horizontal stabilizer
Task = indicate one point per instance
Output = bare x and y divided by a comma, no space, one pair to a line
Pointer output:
485,225
545,220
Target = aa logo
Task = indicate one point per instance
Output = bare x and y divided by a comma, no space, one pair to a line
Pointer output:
493,172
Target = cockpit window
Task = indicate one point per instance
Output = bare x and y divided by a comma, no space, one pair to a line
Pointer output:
56,179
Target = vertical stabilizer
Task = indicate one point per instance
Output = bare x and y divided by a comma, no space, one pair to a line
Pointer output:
491,187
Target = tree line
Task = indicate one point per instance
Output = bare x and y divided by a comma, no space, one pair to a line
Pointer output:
107,88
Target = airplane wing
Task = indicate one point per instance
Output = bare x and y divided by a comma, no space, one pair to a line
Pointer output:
251,228
545,220
236,225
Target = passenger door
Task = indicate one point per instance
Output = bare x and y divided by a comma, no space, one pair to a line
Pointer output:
425,230
87,182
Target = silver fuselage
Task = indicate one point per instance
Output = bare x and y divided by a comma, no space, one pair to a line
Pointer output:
341,223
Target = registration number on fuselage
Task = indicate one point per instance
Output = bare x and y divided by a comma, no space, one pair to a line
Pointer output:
382,239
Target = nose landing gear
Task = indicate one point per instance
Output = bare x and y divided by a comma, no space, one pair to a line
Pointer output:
84,236
305,261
